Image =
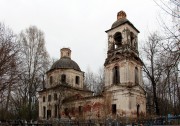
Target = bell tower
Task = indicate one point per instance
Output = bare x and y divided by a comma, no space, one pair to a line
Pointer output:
123,68
123,65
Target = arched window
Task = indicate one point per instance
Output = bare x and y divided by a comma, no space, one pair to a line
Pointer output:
132,38
49,98
136,76
63,78
55,111
44,112
116,75
44,98
77,79
51,80
118,39
55,96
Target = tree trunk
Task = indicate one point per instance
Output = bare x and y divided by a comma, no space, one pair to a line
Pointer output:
7,102
30,101
155,99
169,85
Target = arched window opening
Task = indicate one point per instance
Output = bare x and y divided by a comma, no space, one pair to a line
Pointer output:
116,75
44,112
118,39
44,98
55,96
63,78
55,111
49,98
136,45
77,79
132,38
51,80
136,76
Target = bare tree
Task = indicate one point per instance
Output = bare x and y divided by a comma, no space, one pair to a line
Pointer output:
35,61
8,53
161,69
100,80
171,50
171,7
152,68
95,82
171,29
8,65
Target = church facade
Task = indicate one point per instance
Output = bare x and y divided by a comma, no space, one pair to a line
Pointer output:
64,95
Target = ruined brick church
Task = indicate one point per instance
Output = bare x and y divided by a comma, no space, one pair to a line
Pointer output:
64,95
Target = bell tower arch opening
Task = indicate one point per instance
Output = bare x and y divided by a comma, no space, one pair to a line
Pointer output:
118,39
132,39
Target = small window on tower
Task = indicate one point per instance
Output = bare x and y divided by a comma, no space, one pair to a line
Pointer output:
136,76
116,75
77,79
132,38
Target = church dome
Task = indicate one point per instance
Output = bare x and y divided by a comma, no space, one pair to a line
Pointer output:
66,63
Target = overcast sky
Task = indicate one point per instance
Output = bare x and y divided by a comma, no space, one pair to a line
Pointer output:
78,24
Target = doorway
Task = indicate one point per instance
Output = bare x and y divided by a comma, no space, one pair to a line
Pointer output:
48,114
113,108
138,107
